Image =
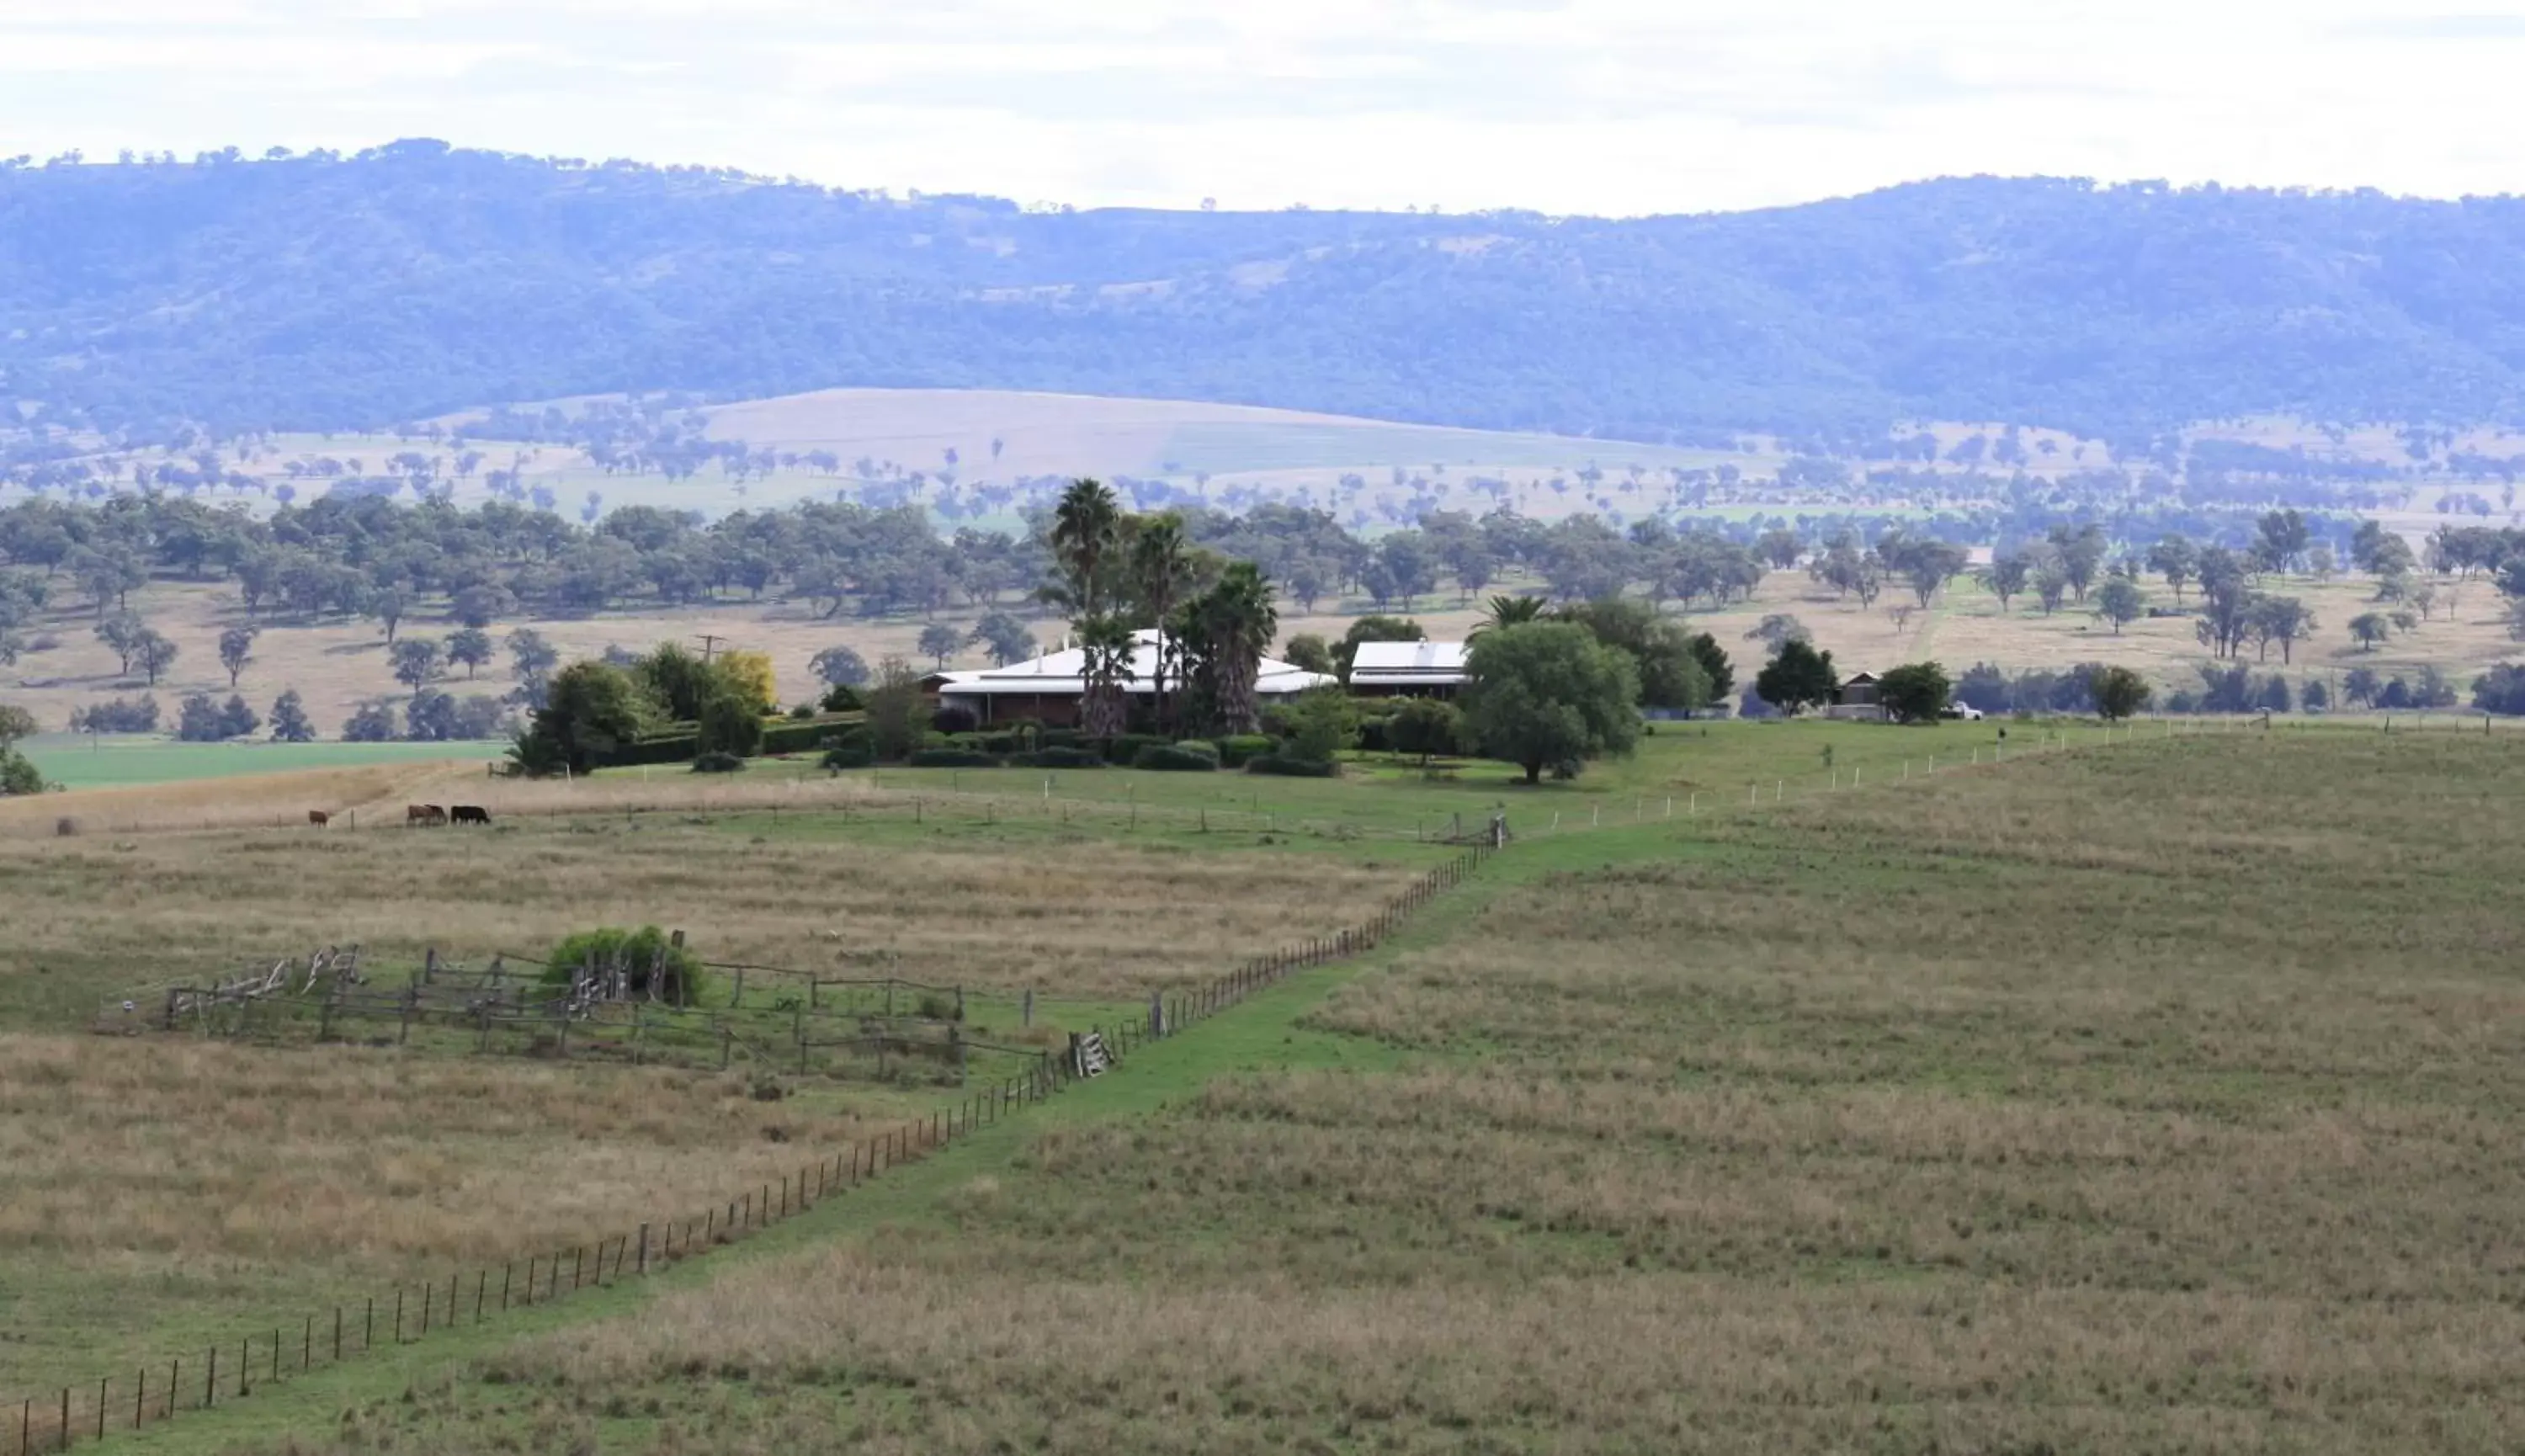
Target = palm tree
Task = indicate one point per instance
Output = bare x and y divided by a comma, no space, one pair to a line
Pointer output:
1161,568
1510,610
1104,643
1086,530
1235,622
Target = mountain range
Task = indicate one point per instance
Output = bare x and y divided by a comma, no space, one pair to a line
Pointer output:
334,292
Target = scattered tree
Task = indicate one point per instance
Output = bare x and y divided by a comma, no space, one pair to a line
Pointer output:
289,722
2120,601
839,667
1914,692
155,654
1424,727
1548,694
2118,692
939,641
469,646
237,649
2371,628
415,661
1797,677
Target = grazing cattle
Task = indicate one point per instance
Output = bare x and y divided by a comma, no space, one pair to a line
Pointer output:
470,814
319,817
413,814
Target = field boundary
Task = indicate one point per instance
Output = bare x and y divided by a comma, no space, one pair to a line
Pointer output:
411,1312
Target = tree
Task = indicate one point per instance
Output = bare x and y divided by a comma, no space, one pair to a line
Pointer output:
480,605
1510,610
1309,651
1914,692
1225,631
1002,635
1670,672
2283,620
1715,666
839,667
748,673
2120,600
2004,576
730,725
1161,571
1325,724
373,723
19,776
939,641
121,632
2051,585
2080,553
894,716
470,646
388,604
589,709
1779,629
289,722
1797,677
1425,727
2280,540
530,657
2118,692
415,661
155,654
2371,628
237,649
2359,685
14,723
1549,693
1085,536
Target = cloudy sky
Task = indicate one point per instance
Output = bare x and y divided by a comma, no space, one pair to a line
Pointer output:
1605,106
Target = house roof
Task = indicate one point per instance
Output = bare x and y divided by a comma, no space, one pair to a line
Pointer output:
1403,664
1063,673
1858,679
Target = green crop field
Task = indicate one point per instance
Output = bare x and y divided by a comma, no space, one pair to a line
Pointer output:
76,762
2144,1091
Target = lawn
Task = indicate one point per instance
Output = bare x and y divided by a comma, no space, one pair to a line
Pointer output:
2130,1099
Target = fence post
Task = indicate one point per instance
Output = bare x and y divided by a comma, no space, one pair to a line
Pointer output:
644,1248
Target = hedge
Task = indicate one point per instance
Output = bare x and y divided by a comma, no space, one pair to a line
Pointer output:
807,734
1292,768
952,757
1058,757
1171,758
1122,748
1236,751
675,750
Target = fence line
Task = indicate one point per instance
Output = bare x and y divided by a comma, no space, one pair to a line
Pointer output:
409,1313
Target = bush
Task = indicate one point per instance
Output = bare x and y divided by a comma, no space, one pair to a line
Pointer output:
1062,737
731,725
1122,748
640,951
954,720
717,762
842,756
1174,758
1292,768
1237,750
1069,757
952,757
808,737
843,699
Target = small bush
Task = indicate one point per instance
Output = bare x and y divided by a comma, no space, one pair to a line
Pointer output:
1285,766
842,756
952,757
717,762
640,952
936,1006
1171,758
954,720
844,699
1062,737
1058,758
1236,751
1122,748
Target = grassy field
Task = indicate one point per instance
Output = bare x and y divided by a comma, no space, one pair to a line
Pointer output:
107,761
2134,1098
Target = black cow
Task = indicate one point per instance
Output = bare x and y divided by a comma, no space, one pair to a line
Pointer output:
470,814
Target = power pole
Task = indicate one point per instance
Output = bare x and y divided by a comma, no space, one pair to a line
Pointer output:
709,645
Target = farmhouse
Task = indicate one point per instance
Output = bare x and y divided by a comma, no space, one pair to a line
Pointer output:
1856,699
1423,670
1049,689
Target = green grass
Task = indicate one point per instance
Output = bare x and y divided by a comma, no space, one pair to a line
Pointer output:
77,762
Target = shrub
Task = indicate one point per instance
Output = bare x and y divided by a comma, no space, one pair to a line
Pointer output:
730,725
1239,749
718,762
1292,768
802,737
1171,758
1122,748
842,756
1061,738
843,698
1068,757
952,757
640,952
954,720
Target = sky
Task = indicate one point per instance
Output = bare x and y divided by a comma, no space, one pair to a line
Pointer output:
1617,107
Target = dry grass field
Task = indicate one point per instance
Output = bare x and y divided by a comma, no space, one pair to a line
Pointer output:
2157,1097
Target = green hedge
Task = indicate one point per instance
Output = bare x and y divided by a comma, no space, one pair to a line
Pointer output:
1058,757
804,736
952,757
1292,768
1122,748
675,750
1172,758
848,756
1236,751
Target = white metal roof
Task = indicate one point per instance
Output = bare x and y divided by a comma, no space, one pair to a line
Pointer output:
1057,673
1401,664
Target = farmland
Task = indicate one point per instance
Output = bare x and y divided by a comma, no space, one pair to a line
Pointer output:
2137,1093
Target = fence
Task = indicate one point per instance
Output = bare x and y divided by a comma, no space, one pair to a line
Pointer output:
410,1312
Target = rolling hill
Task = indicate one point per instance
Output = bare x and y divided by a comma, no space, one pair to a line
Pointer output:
333,292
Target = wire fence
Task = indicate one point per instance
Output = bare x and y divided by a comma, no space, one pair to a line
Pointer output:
408,1314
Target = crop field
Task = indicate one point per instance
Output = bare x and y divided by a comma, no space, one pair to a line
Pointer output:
107,761
2151,1096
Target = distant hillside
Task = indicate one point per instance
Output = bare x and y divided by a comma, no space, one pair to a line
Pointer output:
328,292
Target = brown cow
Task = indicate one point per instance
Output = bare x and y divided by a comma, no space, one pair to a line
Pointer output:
319,817
413,814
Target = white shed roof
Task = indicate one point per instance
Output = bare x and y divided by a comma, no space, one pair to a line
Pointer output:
1403,664
1057,673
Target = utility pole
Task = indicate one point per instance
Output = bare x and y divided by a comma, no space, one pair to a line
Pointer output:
709,645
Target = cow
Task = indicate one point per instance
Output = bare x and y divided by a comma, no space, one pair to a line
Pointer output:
469,814
319,817
413,814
